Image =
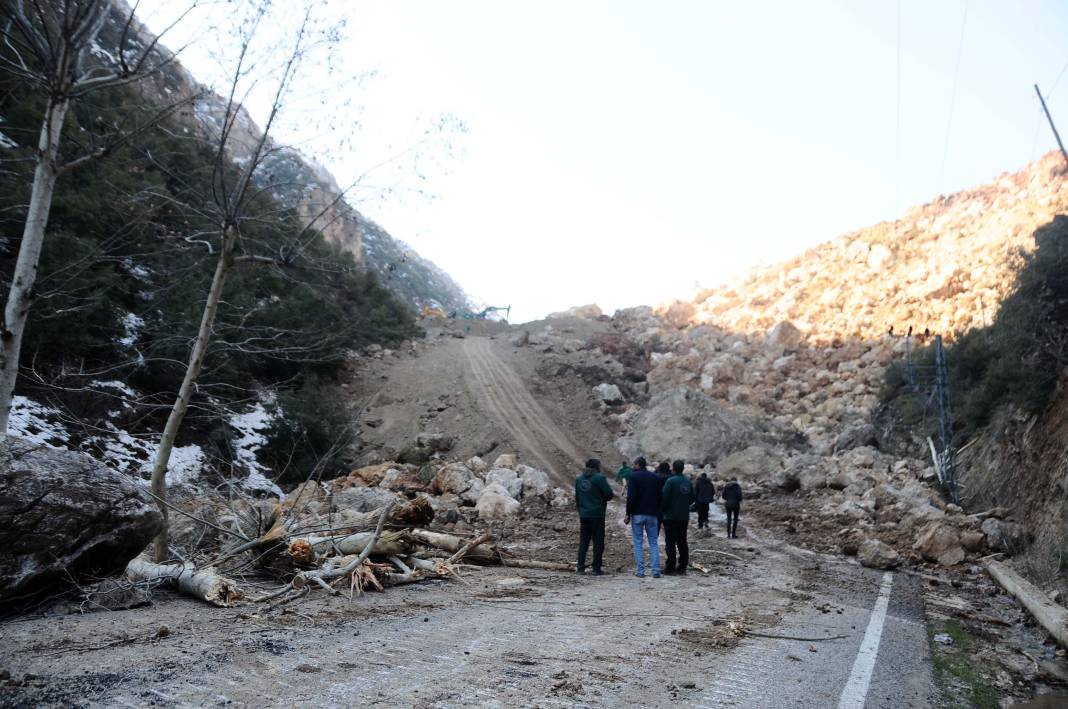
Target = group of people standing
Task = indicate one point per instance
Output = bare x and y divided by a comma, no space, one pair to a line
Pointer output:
655,500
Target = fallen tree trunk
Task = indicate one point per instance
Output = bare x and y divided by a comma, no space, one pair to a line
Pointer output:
487,553
385,544
204,584
1052,617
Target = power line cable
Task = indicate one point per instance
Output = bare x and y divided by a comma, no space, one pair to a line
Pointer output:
953,94
897,134
1038,112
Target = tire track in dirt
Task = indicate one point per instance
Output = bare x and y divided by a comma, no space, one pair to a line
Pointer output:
509,400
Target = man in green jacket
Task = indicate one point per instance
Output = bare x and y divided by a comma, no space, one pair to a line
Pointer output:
592,494
623,476
675,502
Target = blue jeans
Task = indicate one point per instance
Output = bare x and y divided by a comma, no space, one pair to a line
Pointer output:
649,524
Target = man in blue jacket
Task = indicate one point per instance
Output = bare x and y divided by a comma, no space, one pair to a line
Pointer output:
592,494
643,512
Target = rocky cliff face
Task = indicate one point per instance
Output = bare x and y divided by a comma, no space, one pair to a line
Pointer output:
943,266
299,183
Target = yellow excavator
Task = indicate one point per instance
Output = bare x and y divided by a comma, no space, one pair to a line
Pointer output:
432,312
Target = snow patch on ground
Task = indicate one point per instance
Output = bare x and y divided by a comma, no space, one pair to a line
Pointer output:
132,324
37,423
115,384
7,142
251,427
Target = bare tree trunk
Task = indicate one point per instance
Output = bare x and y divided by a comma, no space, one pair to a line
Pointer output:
205,584
185,393
21,294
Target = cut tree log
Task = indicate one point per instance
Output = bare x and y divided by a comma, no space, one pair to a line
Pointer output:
1052,617
204,584
533,564
486,553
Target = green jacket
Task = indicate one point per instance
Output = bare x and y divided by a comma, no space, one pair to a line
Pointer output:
677,497
623,474
592,493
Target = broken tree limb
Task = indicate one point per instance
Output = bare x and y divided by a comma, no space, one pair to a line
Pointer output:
756,634
713,551
386,544
1052,617
543,565
204,584
321,576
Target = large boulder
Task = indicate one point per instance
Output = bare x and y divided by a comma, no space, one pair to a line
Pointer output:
507,479
878,555
941,543
1007,537
785,335
688,424
363,499
456,478
477,465
496,503
856,436
535,482
64,518
750,464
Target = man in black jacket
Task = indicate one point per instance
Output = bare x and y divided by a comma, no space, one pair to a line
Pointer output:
643,512
732,503
704,492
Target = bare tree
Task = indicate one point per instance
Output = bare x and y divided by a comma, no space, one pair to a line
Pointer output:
239,156
47,43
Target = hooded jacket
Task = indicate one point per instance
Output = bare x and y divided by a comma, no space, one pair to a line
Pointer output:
677,498
732,495
592,493
643,493
705,491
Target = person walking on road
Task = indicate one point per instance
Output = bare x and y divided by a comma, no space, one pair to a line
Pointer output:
676,499
592,494
623,475
704,493
643,510
732,503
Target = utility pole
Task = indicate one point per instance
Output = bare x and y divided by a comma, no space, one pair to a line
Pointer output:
1050,119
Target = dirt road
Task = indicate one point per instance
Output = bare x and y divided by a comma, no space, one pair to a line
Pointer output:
509,638
507,398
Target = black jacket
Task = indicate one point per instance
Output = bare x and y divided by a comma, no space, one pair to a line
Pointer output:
732,495
705,491
643,493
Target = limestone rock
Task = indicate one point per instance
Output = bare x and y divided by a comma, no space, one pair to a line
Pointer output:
507,479
857,436
470,495
535,482
878,555
456,478
363,499
608,393
506,460
477,465
436,442
65,517
496,503
562,498
941,543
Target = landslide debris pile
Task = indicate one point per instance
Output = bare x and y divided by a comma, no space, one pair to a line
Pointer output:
777,378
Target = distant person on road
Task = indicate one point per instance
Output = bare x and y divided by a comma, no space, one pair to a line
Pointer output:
675,501
704,493
732,503
592,493
643,512
623,475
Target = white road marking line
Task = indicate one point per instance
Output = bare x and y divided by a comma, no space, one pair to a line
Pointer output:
856,690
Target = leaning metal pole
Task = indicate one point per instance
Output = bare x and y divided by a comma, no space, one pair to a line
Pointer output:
945,423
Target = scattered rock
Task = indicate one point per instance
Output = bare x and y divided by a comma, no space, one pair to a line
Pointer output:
435,442
941,543
608,393
506,460
877,555
456,478
506,478
1007,537
535,482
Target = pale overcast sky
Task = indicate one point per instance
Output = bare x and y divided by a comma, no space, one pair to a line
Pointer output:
623,152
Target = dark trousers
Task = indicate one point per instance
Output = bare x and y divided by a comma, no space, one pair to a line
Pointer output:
591,528
702,514
675,534
732,519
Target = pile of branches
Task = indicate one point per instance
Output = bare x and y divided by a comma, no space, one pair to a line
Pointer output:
300,550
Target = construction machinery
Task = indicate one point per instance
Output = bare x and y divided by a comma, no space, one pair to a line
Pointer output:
433,312
482,314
